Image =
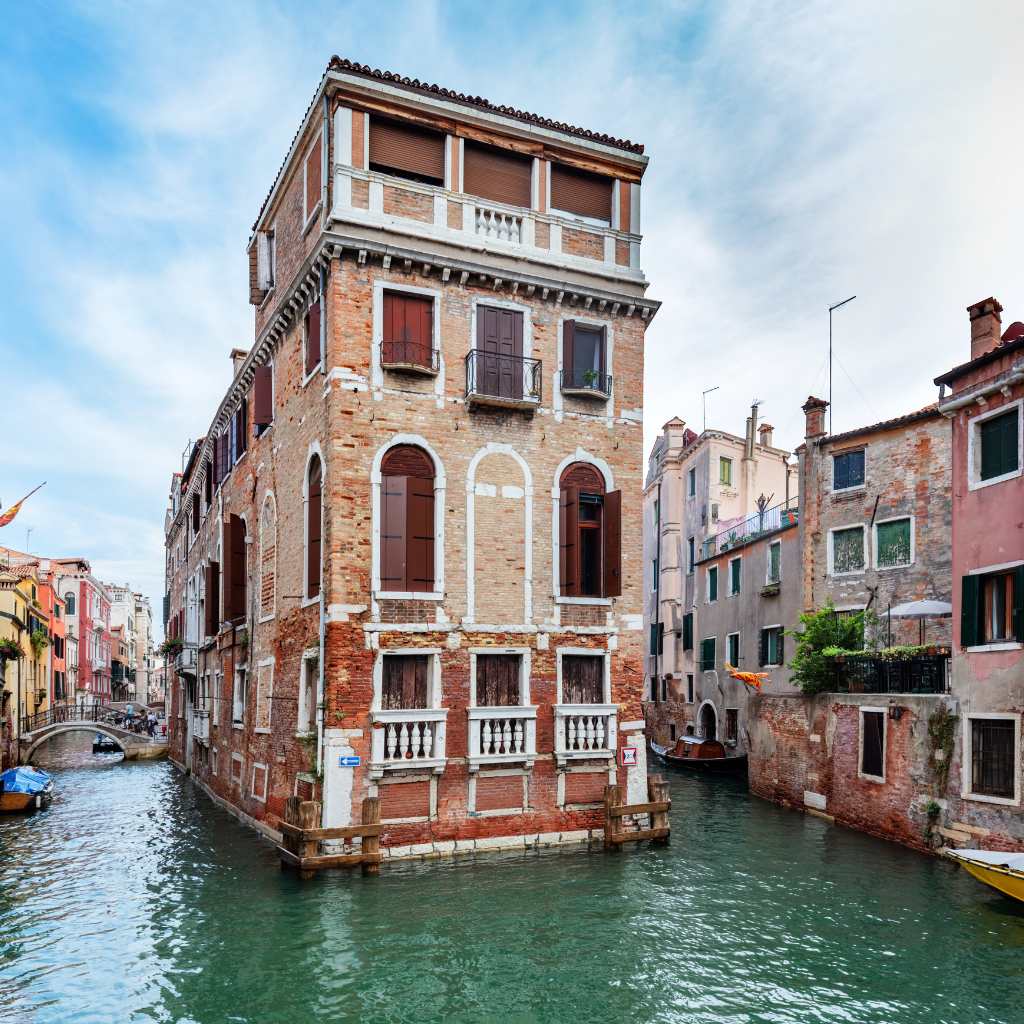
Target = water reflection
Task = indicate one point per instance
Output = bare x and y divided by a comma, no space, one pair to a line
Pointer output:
133,897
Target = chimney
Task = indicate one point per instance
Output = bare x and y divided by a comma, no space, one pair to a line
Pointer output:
985,325
751,430
765,432
814,410
237,358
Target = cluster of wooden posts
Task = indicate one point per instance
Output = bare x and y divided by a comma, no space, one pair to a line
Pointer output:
301,835
615,810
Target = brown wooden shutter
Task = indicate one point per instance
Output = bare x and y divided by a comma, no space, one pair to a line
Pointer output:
195,512
211,610
405,460
314,534
568,542
497,680
497,174
256,294
604,349
613,544
313,336
235,569
404,683
568,340
405,147
625,206
313,177
582,680
581,192
420,535
209,480
263,396
393,531
242,433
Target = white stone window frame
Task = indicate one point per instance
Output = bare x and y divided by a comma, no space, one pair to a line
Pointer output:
832,471
525,663
874,543
266,782
496,302
580,455
400,780
884,712
240,670
588,324
571,769
699,714
377,335
495,448
768,567
268,496
440,489
707,585
313,449
830,549
218,677
560,652
732,593
213,760
435,693
974,481
778,629
262,664
496,773
998,645
735,664
308,685
967,765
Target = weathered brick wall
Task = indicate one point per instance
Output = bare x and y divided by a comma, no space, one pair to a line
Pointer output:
583,243
400,202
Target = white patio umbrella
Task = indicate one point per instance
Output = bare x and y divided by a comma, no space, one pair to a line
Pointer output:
922,610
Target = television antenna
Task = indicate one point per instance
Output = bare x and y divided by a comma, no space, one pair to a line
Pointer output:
704,401
830,308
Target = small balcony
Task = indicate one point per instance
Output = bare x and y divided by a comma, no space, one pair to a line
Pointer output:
510,382
408,739
201,725
588,383
922,673
409,357
186,661
584,731
502,736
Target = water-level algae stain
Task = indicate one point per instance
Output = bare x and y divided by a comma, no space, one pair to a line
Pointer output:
739,917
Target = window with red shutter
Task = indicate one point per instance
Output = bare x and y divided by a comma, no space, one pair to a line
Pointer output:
313,337
407,521
263,398
235,582
408,340
314,528
589,527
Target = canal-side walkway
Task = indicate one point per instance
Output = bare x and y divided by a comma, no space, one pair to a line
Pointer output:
134,897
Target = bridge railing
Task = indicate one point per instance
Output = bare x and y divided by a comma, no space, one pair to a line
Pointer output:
62,713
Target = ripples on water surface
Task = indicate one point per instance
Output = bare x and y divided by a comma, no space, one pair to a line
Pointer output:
134,898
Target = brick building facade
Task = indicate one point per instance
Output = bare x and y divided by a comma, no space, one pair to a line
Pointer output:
405,560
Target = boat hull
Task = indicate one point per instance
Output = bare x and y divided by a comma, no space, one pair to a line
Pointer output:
20,801
709,765
1006,880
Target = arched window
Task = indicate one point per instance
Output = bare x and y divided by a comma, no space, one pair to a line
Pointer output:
69,603
589,528
314,527
407,521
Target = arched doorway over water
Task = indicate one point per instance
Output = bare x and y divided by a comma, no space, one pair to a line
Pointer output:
708,721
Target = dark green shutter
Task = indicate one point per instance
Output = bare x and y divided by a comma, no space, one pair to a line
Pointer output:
762,648
661,637
654,638
688,632
1018,604
969,612
1008,443
713,583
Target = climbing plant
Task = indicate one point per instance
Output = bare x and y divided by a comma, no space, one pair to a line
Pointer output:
942,730
821,630
40,641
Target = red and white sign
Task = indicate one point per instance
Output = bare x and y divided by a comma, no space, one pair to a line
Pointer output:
627,756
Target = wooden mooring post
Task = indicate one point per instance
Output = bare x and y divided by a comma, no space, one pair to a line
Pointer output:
657,807
301,837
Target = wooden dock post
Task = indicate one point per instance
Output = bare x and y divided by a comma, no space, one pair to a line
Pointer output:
309,818
657,793
291,817
612,799
371,844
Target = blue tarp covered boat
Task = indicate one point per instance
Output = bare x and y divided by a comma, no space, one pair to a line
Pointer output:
24,787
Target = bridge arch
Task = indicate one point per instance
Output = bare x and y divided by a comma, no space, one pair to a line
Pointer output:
48,732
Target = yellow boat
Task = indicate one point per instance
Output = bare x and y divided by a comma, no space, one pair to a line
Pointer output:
1003,871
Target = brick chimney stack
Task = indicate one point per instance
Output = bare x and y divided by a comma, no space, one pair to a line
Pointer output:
814,410
237,358
985,326
765,433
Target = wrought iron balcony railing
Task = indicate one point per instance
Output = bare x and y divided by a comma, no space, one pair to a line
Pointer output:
410,356
495,379
588,382
926,673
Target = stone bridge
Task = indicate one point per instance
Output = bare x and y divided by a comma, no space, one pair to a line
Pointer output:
93,719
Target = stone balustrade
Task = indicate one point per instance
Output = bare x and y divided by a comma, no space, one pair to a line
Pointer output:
584,731
413,738
502,735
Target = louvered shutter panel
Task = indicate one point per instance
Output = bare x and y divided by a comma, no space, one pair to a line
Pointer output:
420,535
991,449
581,192
242,432
235,597
661,637
654,638
314,532
568,542
688,631
210,623
604,349
209,482
497,174
394,492
195,512
1018,604
313,336
613,544
568,351
256,294
1008,444
263,396
406,148
969,608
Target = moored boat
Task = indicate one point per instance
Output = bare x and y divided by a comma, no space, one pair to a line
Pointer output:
24,788
997,868
701,755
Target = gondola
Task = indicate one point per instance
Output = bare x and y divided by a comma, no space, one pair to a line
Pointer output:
702,755
23,788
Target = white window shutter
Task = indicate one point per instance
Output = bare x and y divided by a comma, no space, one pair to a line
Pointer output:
263,276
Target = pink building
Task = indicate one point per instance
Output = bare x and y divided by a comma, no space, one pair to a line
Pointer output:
984,398
87,616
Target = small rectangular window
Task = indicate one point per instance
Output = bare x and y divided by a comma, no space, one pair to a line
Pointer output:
873,743
690,554
847,470
999,445
713,583
654,574
671,732
997,602
707,654
688,631
732,726
689,688
657,637
734,576
692,483
497,680
775,562
992,757
848,550
312,337
408,331
404,681
732,649
582,679
664,688
893,543
724,472
656,510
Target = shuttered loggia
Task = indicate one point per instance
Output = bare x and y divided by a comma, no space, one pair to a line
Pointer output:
497,174
406,150
581,192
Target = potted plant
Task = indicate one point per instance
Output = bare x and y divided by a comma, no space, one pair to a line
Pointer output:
589,376
10,649
170,647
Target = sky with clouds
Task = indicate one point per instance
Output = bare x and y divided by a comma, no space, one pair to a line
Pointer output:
800,153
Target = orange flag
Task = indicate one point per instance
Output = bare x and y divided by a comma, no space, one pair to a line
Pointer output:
9,515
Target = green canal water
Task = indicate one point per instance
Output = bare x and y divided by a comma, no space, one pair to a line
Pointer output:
134,898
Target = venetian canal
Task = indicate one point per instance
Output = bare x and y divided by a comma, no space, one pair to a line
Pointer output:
134,898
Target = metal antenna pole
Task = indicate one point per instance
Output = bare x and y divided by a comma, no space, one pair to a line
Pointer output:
704,400
830,308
